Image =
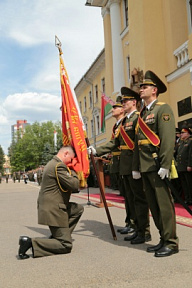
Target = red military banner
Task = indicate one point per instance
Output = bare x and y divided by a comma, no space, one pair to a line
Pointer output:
74,133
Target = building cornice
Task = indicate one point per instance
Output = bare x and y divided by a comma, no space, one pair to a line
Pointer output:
110,2
105,11
96,67
179,72
96,3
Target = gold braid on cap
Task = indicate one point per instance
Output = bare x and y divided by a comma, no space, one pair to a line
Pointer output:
148,82
127,97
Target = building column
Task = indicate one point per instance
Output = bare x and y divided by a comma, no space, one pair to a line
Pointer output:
117,51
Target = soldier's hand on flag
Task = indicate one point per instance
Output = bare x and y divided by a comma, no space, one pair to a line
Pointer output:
163,173
136,175
92,150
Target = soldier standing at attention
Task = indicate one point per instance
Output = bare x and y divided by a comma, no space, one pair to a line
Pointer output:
54,208
39,175
118,114
184,163
7,177
135,202
19,176
156,133
14,177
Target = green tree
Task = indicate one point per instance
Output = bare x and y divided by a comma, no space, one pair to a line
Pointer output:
29,151
2,159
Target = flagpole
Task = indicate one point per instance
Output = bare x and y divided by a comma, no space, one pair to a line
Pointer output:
102,193
58,45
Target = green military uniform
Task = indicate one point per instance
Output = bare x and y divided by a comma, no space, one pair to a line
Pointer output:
0,177
30,175
55,210
160,120
7,177
114,166
176,182
135,201
19,176
184,160
39,175
14,177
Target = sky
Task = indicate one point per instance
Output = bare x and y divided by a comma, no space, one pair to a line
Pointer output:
29,61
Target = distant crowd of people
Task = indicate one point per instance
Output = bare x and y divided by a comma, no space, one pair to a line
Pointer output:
34,175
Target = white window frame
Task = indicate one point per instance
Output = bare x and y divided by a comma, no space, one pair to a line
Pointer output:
189,16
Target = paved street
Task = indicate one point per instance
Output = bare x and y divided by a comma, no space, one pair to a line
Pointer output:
96,259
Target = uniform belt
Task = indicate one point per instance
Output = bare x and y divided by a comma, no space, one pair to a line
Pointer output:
116,153
144,142
124,147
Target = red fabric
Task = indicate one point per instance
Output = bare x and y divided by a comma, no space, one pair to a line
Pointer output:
151,136
72,126
179,209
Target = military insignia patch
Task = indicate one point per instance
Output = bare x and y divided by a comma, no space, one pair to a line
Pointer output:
166,117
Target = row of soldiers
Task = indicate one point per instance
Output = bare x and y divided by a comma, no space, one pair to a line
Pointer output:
183,156
138,139
34,175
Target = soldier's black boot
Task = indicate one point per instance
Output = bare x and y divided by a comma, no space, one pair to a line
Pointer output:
25,243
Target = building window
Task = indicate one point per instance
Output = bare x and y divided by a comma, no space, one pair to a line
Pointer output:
80,106
86,128
128,70
103,85
85,104
126,13
90,100
96,94
92,128
97,125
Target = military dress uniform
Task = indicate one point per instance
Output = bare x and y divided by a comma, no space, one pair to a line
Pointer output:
55,210
7,177
39,176
184,160
18,175
115,178
14,177
176,181
135,201
159,119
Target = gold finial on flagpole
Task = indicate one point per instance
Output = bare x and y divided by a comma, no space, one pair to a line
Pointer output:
58,44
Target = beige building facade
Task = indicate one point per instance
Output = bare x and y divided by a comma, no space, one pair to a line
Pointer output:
139,35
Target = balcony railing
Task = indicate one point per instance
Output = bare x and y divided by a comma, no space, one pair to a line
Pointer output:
182,54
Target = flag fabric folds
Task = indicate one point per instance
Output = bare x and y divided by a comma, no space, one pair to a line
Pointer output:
106,106
74,133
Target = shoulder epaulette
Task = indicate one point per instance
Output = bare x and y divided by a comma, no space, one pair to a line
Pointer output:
160,103
137,112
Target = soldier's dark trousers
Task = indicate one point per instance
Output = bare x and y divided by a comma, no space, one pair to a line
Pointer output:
138,204
162,207
61,241
186,183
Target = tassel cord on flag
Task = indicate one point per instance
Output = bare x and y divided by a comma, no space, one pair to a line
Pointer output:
102,193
